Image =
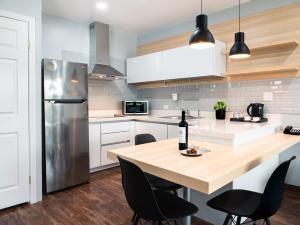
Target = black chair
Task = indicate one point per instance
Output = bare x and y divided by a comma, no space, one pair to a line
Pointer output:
156,182
253,205
151,205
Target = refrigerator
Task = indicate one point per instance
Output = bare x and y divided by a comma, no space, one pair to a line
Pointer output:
65,124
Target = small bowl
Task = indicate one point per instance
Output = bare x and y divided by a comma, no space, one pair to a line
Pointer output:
247,118
256,119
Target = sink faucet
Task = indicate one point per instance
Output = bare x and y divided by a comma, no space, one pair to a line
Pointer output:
188,113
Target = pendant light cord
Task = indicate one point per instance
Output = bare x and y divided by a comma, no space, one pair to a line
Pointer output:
239,15
201,8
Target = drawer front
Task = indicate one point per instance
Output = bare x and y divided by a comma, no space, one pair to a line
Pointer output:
107,128
104,149
115,137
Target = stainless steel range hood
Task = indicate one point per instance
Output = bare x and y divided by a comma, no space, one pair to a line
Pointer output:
99,54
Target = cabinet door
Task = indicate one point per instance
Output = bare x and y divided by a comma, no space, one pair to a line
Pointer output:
94,145
159,131
172,131
104,149
185,62
144,68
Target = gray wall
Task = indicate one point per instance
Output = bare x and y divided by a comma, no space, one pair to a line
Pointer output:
69,40
32,8
249,8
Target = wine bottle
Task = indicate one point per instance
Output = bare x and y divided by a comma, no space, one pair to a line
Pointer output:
183,133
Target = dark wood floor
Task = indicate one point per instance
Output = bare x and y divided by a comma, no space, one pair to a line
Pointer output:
102,202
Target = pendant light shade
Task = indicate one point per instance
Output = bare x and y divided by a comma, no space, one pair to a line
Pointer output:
239,49
201,37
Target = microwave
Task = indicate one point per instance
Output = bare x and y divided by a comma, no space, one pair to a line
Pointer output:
136,107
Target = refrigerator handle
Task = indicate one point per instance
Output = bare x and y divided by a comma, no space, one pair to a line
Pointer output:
67,102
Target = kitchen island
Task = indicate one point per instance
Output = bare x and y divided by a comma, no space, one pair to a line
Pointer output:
246,166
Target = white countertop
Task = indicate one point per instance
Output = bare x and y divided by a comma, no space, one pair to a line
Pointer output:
209,129
154,119
232,133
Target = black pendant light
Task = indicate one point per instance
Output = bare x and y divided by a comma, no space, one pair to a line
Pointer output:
201,37
239,49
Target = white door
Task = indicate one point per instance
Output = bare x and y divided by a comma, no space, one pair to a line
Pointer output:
14,129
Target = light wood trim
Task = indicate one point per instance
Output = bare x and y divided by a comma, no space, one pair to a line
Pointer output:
211,171
274,69
278,45
270,47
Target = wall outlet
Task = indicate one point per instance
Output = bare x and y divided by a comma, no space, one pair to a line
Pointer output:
268,96
166,107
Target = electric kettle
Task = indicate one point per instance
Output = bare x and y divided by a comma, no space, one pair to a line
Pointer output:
256,110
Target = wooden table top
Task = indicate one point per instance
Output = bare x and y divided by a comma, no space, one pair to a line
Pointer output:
210,171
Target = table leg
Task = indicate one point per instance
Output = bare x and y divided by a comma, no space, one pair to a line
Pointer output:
187,196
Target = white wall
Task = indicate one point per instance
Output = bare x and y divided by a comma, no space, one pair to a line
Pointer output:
63,39
32,8
69,40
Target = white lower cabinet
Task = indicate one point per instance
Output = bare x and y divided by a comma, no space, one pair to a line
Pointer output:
104,159
106,136
159,131
94,145
172,131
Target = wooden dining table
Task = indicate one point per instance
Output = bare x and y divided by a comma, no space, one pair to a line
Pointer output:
210,171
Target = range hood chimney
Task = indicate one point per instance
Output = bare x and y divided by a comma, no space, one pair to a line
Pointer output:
99,54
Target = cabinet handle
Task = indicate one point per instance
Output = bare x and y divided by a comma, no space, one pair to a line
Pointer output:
115,143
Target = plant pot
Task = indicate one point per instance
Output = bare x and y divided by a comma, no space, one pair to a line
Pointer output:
220,114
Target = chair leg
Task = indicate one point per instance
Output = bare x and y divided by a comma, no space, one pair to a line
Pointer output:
136,220
227,219
238,221
133,217
268,222
175,222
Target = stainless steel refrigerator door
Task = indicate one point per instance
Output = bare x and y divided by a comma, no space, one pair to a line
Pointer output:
66,145
64,80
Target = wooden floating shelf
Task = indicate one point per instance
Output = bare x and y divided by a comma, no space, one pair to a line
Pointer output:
282,69
274,45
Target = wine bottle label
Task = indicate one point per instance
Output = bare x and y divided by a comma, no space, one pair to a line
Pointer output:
182,135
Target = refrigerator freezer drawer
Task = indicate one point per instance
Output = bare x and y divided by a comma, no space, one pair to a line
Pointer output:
66,145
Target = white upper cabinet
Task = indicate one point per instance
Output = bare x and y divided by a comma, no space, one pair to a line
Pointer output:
144,68
177,63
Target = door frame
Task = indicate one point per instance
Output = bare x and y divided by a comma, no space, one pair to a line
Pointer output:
34,111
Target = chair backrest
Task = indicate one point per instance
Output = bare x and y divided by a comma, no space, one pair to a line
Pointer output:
144,138
273,193
138,192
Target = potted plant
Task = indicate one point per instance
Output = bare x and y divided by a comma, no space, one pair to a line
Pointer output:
220,108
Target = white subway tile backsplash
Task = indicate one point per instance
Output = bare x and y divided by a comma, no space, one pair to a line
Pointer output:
238,95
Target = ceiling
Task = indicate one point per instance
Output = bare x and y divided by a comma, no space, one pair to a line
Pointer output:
136,16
